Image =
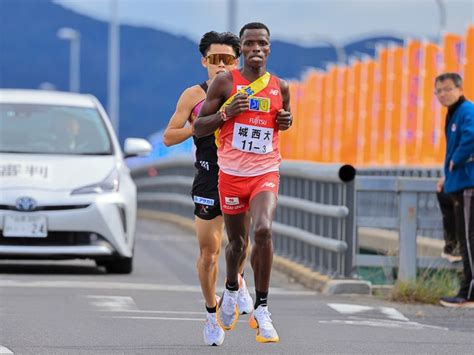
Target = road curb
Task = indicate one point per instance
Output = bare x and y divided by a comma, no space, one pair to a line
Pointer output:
303,275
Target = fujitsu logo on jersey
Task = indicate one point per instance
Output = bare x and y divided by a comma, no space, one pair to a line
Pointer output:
258,121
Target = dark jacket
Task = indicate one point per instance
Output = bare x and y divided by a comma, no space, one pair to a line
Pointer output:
460,148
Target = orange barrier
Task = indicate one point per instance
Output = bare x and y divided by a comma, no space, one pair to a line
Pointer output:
382,104
469,63
340,110
410,101
379,111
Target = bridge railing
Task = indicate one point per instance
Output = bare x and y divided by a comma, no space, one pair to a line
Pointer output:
406,205
409,171
313,223
321,211
382,204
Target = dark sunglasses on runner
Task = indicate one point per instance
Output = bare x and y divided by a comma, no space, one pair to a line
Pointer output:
215,59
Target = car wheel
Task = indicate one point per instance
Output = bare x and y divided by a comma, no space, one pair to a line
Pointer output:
119,266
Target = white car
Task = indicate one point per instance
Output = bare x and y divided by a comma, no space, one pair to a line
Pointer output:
65,191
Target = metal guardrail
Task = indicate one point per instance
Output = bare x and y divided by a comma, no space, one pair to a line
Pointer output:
313,224
429,172
408,208
316,219
381,205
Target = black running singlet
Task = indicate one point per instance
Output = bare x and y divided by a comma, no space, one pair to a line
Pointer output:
206,149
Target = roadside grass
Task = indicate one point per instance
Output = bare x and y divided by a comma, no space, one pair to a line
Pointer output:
428,287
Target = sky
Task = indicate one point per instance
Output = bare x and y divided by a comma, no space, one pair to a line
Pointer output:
304,22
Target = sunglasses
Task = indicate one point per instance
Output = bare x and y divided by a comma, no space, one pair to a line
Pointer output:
216,59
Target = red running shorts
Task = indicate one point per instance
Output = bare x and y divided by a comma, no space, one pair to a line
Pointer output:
236,192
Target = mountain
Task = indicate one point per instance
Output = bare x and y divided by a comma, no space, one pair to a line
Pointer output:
155,66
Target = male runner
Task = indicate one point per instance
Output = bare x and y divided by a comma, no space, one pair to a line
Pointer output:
249,161
219,54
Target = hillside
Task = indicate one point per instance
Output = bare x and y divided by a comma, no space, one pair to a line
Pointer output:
155,65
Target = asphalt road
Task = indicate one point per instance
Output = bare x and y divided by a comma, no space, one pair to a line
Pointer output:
73,307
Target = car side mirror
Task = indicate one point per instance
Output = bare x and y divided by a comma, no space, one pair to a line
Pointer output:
136,147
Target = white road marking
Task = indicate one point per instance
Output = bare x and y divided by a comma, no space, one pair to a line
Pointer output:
129,286
383,323
113,303
157,312
397,319
390,312
158,318
171,238
5,350
167,318
349,308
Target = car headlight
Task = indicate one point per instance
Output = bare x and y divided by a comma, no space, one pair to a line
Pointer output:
109,184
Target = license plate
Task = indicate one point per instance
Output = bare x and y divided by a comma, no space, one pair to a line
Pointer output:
25,226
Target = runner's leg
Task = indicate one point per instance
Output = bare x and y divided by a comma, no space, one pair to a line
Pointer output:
237,227
262,210
209,235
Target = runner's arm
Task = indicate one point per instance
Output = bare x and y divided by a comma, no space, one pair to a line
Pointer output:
210,118
284,117
177,131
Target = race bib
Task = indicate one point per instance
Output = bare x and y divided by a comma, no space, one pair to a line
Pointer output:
252,139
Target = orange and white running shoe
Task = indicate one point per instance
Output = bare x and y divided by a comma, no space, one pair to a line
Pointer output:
261,321
227,310
244,300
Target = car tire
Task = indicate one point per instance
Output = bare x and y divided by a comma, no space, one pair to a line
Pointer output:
119,266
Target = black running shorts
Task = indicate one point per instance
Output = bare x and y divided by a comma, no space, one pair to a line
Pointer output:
205,194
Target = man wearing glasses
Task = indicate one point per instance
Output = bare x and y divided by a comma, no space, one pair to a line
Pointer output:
219,54
459,177
249,107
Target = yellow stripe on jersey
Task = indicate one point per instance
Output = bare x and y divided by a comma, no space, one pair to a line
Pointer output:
253,88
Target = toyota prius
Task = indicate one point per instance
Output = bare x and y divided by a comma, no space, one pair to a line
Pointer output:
65,190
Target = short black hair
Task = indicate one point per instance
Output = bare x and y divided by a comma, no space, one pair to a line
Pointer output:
254,26
455,77
214,37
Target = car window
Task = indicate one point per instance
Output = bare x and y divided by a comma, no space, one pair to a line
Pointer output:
50,129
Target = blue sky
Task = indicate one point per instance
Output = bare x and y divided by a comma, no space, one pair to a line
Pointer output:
297,21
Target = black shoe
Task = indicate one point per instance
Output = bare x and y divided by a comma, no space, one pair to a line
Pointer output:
456,302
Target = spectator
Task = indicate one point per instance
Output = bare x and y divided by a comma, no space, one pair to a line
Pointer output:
459,177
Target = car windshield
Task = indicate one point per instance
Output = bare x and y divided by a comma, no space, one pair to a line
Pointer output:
51,129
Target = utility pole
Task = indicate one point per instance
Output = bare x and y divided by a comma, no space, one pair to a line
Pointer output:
232,15
74,38
113,85
442,19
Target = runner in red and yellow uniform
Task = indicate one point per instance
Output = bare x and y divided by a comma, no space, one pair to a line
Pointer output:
219,54
248,108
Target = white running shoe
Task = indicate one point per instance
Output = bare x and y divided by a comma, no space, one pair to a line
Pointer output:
227,310
213,333
261,321
244,301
